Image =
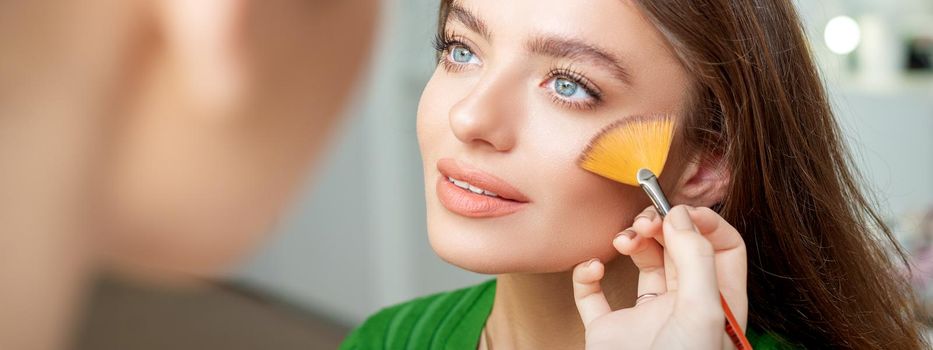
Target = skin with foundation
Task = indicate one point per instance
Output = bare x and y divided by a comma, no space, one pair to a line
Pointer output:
520,89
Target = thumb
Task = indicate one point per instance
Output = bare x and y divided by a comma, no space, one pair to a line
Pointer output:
587,292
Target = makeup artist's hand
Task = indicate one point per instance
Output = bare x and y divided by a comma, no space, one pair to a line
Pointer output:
684,261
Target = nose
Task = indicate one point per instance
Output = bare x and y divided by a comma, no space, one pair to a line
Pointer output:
490,114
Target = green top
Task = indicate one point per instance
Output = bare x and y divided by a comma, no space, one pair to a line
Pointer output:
453,320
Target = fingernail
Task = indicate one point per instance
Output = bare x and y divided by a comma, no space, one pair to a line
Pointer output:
679,218
590,263
627,233
642,217
649,214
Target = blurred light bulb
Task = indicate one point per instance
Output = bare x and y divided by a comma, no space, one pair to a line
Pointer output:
842,35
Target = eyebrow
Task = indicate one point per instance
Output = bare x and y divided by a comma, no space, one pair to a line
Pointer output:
470,20
575,49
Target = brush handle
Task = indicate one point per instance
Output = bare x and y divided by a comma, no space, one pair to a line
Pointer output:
649,183
733,329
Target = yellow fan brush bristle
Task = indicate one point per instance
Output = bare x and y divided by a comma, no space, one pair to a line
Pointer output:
626,146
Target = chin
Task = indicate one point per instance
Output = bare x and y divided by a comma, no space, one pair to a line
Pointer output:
472,258
493,252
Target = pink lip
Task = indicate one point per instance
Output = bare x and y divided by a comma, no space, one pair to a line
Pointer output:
469,204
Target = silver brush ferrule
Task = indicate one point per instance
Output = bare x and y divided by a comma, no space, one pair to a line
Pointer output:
649,183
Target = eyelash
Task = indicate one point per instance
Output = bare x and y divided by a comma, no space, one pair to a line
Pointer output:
442,45
444,42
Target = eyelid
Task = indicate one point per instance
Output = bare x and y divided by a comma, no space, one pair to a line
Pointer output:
579,105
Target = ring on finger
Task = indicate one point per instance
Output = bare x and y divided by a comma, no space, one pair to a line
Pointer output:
645,297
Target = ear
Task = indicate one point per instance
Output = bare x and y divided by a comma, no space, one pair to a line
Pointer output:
703,182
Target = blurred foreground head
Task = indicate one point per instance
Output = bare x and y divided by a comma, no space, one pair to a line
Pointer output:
179,129
160,138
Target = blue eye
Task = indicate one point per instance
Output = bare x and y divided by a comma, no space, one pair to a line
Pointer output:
565,87
462,55
570,90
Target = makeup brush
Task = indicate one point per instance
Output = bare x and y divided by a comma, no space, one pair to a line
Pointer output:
632,151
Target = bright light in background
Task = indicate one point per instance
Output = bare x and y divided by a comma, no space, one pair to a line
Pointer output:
842,35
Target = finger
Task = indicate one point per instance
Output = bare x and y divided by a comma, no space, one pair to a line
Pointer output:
670,272
716,229
730,259
587,292
648,257
648,223
729,248
628,242
693,256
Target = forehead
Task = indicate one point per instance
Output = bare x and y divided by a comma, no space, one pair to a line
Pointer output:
596,19
616,25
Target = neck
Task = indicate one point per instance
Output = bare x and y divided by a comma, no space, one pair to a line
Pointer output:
537,311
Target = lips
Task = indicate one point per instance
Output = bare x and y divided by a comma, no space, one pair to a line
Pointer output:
473,193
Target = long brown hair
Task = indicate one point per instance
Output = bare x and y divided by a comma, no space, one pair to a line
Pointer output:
824,269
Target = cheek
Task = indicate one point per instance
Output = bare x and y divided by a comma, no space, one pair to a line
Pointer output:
433,108
596,209
583,211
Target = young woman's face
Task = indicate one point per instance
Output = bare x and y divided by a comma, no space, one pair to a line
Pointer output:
521,88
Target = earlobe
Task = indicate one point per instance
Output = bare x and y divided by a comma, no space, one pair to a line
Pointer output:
703,182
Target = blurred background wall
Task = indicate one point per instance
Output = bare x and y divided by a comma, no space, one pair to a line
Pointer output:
355,240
